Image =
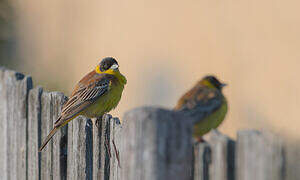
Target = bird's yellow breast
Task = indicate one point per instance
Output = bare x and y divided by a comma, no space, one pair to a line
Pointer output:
212,121
108,101
105,103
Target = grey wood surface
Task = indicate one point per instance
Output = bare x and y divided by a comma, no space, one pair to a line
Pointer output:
105,135
115,142
52,164
260,156
101,143
14,88
34,121
46,126
214,159
3,125
80,149
97,145
156,145
59,145
102,148
222,156
202,161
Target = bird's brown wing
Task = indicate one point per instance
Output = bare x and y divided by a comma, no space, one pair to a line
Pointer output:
87,91
200,101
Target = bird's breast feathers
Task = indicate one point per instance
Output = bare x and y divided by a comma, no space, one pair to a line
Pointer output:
211,121
109,100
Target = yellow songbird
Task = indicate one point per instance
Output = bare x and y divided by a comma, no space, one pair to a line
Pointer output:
205,104
95,94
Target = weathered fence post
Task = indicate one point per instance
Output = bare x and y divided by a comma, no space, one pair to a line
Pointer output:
59,146
80,149
202,161
52,159
98,172
214,159
34,121
115,141
100,153
14,88
222,152
156,145
259,156
104,157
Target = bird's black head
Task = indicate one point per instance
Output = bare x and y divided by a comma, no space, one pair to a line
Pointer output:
213,82
107,64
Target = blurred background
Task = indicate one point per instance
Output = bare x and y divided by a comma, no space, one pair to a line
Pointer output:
163,48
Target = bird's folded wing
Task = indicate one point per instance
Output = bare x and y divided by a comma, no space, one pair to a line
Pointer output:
84,95
201,102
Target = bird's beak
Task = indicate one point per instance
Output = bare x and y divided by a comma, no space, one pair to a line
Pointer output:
114,67
223,85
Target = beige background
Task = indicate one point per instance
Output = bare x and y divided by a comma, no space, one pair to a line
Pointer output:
164,47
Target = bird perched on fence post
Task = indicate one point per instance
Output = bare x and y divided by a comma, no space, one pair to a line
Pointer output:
205,104
94,95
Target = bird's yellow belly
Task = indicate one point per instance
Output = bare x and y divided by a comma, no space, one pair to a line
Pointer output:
105,103
210,122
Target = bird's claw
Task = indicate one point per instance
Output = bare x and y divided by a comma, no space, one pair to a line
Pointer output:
89,123
106,116
97,122
199,140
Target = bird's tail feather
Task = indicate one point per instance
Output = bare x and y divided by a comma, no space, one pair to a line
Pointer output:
51,134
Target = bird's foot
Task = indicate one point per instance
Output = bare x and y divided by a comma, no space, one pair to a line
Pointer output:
97,121
198,140
100,118
110,117
106,116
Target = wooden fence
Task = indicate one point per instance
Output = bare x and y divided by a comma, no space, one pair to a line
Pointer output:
153,144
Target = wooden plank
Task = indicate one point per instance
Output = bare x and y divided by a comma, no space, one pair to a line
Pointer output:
70,157
3,125
101,135
46,126
53,155
97,131
34,120
222,151
60,140
156,145
115,143
202,161
14,95
80,149
105,136
259,156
